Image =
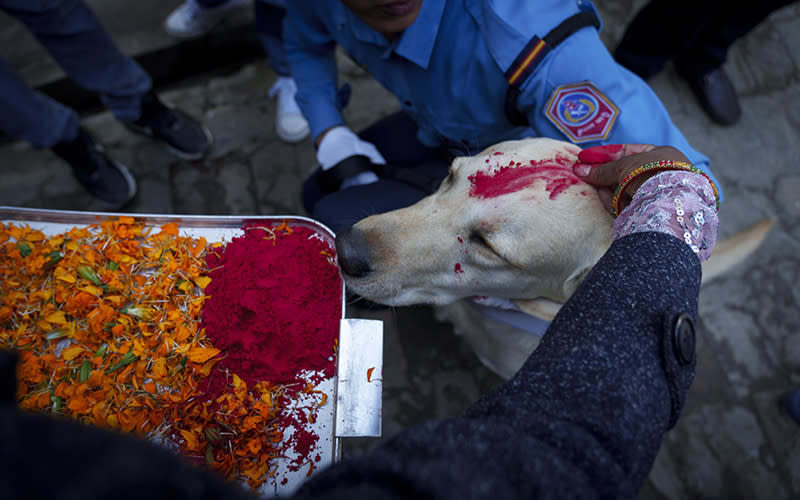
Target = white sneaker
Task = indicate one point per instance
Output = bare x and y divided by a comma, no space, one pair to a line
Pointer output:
290,124
191,20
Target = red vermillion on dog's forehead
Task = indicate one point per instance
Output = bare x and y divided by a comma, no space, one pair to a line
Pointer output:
506,177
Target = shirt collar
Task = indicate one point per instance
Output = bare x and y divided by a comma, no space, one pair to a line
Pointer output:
417,41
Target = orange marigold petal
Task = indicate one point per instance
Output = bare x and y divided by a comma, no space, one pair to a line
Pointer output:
192,442
72,352
182,332
78,405
202,281
202,354
170,228
62,274
159,369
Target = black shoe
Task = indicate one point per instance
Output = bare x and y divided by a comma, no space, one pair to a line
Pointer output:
183,135
716,95
105,179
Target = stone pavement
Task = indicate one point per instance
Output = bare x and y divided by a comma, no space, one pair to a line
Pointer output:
732,440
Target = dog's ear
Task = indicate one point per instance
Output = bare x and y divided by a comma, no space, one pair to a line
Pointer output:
542,308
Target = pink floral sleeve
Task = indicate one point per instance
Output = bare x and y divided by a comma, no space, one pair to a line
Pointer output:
673,202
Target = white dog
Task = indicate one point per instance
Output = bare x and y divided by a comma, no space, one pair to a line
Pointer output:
512,222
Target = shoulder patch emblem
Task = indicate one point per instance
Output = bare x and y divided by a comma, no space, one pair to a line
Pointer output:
582,112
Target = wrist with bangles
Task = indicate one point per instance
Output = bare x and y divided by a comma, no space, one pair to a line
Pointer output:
658,166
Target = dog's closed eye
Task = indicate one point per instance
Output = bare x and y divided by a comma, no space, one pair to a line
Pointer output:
481,241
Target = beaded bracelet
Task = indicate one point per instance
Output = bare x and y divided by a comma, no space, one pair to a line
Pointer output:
657,166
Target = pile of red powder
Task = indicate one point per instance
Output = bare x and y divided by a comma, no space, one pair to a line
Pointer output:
274,305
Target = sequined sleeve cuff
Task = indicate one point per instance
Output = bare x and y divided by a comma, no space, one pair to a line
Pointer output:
677,203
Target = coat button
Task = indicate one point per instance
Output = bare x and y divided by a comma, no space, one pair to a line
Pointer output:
683,342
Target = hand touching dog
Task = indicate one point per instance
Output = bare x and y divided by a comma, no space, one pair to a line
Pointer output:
606,166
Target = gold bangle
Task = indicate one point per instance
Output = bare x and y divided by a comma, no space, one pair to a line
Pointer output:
657,166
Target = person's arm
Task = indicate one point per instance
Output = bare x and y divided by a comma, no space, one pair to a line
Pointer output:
671,198
310,49
583,418
585,415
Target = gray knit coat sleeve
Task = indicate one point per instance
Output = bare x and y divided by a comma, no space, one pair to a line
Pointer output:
583,418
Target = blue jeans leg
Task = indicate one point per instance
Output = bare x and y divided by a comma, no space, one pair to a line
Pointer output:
268,21
28,115
70,31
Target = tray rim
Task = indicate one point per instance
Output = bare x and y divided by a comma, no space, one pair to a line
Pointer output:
192,220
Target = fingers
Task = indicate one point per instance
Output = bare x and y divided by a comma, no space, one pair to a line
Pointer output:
607,157
600,174
611,152
608,165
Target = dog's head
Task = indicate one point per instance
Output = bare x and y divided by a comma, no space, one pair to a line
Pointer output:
513,222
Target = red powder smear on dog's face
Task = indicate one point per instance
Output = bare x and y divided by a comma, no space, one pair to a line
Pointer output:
515,176
273,309
457,269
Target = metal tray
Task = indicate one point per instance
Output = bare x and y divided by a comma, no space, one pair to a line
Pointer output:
355,410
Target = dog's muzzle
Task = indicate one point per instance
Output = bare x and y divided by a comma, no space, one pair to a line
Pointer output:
353,252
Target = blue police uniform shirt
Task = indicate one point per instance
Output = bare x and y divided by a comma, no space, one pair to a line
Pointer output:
447,71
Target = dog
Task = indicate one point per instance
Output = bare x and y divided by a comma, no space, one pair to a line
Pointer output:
512,222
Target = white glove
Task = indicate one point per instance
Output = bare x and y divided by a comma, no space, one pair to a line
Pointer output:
340,143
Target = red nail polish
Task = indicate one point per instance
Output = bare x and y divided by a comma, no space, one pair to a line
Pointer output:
600,154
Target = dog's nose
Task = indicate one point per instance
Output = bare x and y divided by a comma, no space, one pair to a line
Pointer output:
352,252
